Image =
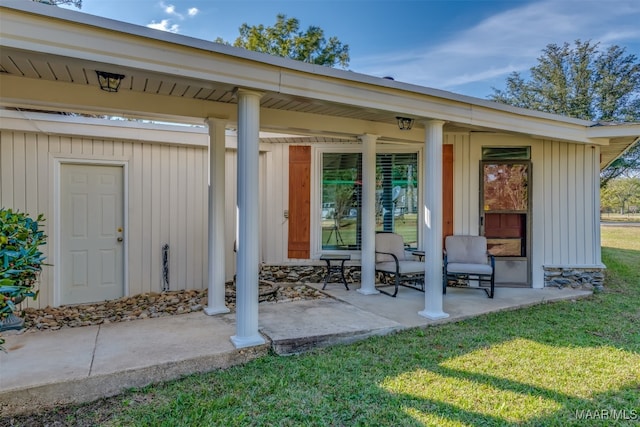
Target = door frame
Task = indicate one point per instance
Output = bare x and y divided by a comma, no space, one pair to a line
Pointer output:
57,163
529,213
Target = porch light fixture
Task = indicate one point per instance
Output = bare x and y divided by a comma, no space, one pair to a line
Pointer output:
404,123
109,82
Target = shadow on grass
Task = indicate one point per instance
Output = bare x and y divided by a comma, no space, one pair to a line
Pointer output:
560,364
550,386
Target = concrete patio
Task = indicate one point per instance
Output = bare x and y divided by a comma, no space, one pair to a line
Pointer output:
83,364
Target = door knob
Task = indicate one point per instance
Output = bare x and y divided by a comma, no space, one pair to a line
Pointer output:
120,239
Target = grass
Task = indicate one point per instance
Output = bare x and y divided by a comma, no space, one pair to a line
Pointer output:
541,366
616,217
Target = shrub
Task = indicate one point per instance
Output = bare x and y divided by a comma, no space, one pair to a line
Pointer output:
20,258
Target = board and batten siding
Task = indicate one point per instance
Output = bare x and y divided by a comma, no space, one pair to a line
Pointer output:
166,192
565,198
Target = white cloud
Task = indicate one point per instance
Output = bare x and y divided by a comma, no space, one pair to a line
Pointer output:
164,25
509,41
170,10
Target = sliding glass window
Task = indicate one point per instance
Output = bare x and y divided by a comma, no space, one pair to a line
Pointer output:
396,198
397,195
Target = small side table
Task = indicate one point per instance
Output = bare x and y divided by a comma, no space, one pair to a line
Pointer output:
419,254
331,269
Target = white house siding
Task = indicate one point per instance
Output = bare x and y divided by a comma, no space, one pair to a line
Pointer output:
167,201
274,193
565,207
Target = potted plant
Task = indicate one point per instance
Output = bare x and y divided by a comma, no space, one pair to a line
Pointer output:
20,263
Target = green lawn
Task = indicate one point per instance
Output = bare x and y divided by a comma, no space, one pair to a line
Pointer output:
541,366
614,217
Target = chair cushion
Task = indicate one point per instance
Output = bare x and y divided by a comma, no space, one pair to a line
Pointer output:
405,267
390,243
466,249
463,268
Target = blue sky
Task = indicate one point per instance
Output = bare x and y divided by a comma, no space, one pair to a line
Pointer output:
463,46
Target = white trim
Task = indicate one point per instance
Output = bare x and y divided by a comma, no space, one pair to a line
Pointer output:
316,195
316,190
56,163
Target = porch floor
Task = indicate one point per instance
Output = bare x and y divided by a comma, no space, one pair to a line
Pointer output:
83,364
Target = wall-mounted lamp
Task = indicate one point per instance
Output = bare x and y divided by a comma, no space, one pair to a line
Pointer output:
109,82
404,123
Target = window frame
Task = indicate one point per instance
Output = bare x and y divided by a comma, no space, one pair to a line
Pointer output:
316,189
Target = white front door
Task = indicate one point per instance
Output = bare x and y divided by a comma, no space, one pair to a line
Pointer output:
92,254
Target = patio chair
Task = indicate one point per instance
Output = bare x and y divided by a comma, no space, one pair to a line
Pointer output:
393,260
466,259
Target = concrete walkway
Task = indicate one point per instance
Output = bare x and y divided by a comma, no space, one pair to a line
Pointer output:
83,364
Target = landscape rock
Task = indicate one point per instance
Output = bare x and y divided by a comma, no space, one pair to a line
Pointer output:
151,305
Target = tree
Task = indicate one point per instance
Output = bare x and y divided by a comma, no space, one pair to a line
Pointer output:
626,164
75,3
621,194
582,82
285,39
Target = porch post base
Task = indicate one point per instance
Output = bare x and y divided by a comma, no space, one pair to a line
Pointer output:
433,315
250,341
368,291
210,311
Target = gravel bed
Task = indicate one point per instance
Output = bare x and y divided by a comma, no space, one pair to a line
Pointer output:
150,305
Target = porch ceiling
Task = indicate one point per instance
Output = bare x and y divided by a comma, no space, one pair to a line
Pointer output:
60,69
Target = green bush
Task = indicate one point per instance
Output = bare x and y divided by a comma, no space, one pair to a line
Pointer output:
20,258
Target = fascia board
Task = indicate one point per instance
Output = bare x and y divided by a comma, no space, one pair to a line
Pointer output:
372,97
615,131
536,127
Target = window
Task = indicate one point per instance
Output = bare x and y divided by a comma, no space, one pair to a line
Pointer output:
397,195
341,200
506,153
396,198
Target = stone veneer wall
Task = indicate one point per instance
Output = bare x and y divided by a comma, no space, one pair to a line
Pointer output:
577,278
305,273
559,277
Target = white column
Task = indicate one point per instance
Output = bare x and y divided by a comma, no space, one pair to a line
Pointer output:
432,227
216,303
368,215
248,216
